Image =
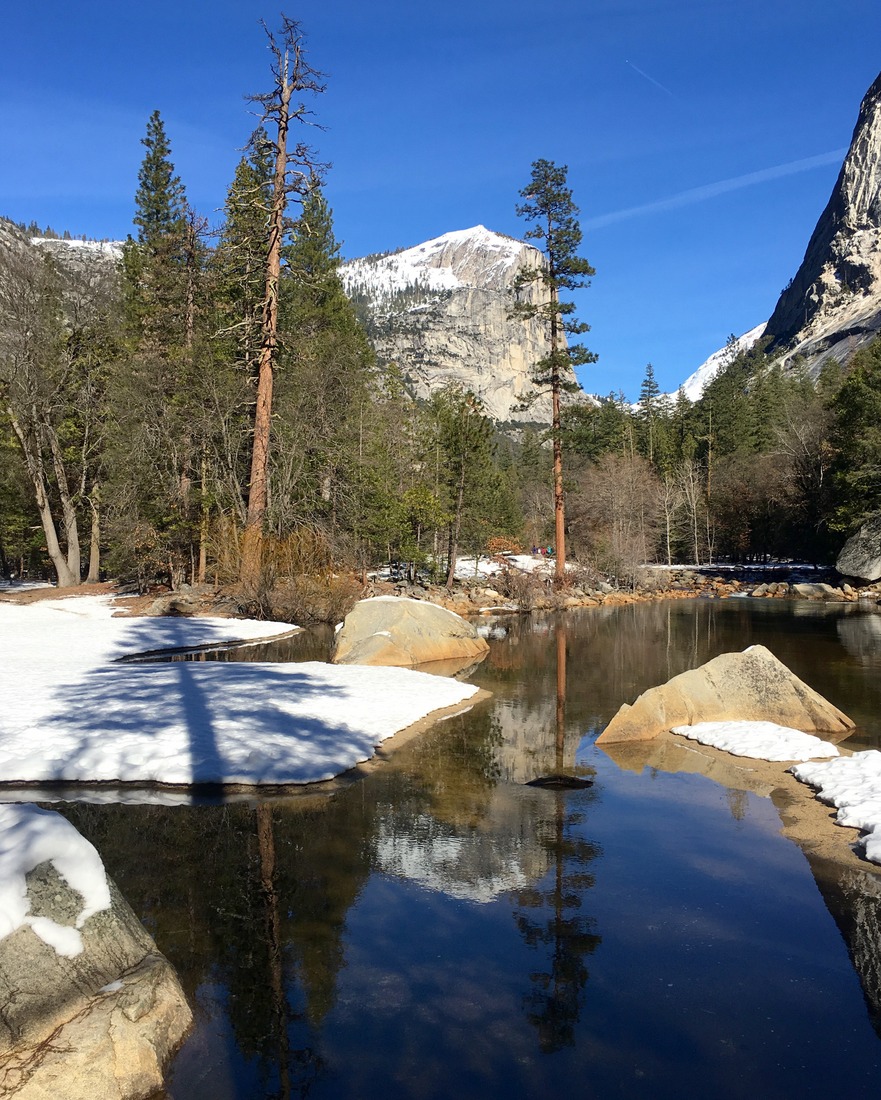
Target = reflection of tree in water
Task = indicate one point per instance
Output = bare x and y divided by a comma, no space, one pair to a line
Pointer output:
552,919
252,903
554,1003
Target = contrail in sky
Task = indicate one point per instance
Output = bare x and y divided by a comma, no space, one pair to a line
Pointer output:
650,79
711,190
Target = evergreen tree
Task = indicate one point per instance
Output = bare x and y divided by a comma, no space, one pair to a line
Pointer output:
157,449
154,264
549,206
856,437
649,411
322,390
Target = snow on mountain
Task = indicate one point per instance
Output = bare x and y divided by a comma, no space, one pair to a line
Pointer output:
696,383
473,257
441,311
112,249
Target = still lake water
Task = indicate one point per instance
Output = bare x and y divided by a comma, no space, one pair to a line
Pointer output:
441,929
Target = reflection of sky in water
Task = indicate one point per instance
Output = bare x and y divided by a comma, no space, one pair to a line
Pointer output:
447,931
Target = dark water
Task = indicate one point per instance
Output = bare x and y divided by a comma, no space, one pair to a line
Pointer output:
441,929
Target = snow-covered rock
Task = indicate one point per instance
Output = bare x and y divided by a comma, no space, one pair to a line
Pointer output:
91,1008
440,311
752,686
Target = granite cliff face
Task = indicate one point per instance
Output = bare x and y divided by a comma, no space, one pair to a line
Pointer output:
833,305
440,312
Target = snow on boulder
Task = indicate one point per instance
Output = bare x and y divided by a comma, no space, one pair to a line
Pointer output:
750,686
861,555
91,1008
390,630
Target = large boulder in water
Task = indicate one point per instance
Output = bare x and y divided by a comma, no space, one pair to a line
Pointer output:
750,686
91,1009
861,555
388,630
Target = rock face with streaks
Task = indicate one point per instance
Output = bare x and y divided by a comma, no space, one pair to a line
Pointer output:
440,311
752,686
833,305
860,556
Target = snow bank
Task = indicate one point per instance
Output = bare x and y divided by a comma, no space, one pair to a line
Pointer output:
30,836
69,714
853,785
759,740
488,567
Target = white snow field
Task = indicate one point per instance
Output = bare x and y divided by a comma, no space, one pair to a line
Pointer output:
68,713
758,740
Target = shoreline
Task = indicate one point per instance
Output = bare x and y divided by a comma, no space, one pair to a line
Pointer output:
804,819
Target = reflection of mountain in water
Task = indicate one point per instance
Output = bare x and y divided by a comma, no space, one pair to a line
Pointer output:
471,862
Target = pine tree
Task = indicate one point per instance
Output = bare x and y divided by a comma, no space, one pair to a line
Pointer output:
649,395
157,449
550,207
856,437
322,388
154,264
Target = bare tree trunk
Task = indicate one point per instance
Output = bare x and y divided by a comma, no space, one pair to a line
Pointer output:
455,528
37,473
68,510
94,574
252,543
203,521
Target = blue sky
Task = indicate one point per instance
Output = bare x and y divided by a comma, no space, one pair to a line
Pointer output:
703,137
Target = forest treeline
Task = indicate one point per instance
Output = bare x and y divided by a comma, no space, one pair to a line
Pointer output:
127,424
765,465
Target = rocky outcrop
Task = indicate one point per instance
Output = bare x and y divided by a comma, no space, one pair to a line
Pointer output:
91,1009
861,555
750,686
88,271
404,633
832,307
440,311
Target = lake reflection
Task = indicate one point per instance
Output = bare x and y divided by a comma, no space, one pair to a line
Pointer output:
440,928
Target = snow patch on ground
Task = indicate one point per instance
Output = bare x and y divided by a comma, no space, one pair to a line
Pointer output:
69,713
853,785
759,740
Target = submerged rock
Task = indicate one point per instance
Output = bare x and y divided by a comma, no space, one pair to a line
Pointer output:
560,782
750,686
386,630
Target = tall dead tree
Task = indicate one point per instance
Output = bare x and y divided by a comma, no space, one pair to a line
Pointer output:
295,171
